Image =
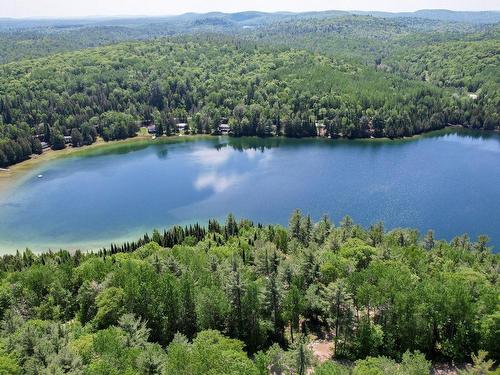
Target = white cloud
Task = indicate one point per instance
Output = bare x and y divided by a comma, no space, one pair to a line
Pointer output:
219,183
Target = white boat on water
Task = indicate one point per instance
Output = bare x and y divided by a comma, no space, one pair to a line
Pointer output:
40,176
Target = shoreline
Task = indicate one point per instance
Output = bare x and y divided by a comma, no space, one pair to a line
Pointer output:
8,176
25,173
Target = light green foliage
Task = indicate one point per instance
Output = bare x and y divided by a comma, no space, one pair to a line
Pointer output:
375,366
358,252
490,331
210,353
136,332
151,360
480,366
386,301
110,306
411,364
93,269
330,368
8,363
148,250
414,364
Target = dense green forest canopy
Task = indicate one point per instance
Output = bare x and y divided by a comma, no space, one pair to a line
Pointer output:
32,37
361,37
236,297
366,38
258,88
240,298
325,73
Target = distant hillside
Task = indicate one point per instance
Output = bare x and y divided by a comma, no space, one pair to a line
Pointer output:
443,15
245,18
447,15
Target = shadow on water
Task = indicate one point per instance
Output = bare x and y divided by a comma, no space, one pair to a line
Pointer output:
263,144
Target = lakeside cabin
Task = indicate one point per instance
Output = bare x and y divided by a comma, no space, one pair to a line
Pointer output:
67,139
224,128
45,145
321,129
151,129
181,126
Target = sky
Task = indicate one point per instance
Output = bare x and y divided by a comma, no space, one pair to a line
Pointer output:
81,8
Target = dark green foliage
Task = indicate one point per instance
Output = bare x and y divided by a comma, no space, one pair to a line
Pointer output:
57,140
299,77
76,138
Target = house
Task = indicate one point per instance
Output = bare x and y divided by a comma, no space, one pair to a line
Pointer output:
67,139
321,129
151,129
45,145
182,126
224,128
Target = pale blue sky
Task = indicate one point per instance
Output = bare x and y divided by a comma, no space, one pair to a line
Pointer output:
78,8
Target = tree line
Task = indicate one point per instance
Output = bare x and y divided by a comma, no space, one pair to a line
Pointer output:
239,297
206,81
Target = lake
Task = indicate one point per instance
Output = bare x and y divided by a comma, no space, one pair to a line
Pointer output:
448,181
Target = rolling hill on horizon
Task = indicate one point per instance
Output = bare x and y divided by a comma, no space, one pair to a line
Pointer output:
244,17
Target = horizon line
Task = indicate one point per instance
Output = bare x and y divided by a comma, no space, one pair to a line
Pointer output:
110,16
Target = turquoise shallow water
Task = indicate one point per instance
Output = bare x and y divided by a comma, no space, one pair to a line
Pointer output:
448,181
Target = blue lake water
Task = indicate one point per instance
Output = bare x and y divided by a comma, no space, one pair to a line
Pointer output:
448,181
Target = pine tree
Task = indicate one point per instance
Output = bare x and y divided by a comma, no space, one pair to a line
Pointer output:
293,307
251,332
187,323
273,306
338,309
235,291
306,230
429,240
294,226
231,226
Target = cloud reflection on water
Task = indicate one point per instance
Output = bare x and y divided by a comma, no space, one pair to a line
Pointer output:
217,175
216,181
212,157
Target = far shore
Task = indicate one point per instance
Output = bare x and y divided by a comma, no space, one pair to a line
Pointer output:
10,175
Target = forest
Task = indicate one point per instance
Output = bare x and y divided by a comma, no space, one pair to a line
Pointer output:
109,92
31,38
327,74
238,297
244,298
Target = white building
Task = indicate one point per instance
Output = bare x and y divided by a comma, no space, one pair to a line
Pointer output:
224,128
